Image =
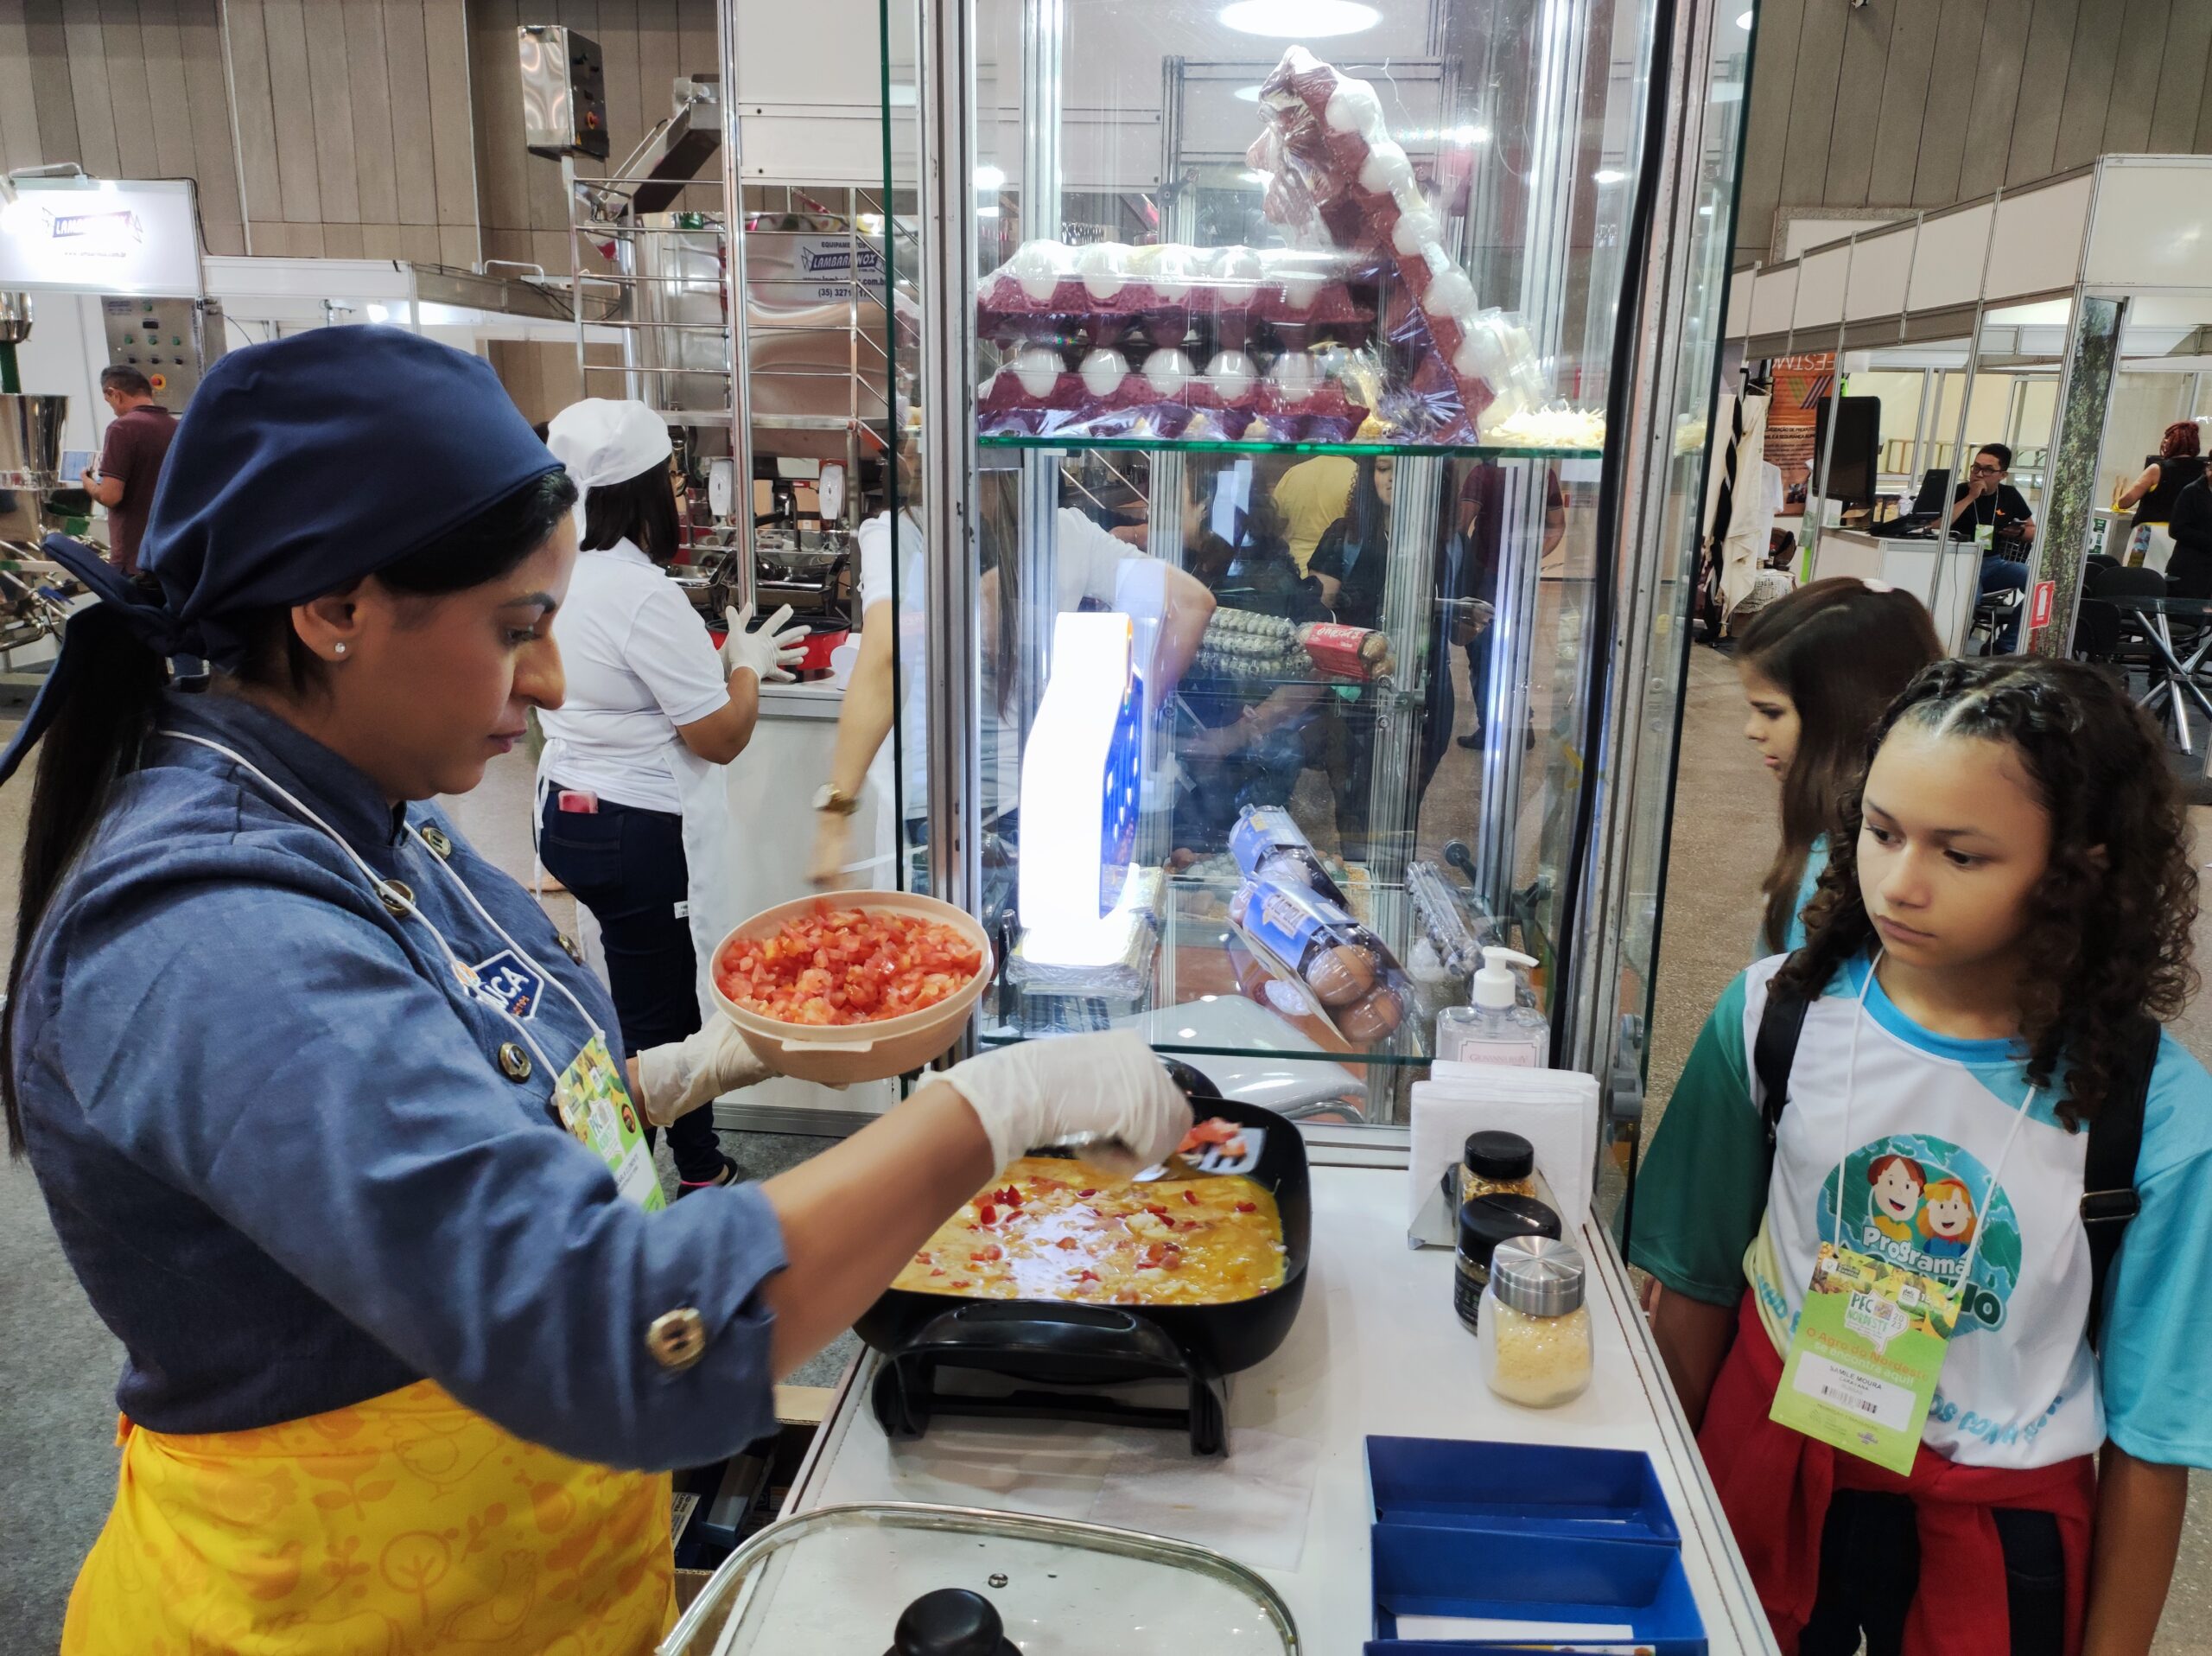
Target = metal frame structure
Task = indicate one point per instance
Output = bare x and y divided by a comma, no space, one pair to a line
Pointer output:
1645,481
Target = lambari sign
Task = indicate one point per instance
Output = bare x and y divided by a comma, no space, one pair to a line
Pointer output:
86,235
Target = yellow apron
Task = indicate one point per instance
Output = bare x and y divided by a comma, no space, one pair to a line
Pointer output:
406,1524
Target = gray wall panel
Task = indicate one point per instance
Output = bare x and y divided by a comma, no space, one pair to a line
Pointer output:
1928,103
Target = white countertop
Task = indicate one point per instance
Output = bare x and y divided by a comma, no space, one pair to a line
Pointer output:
1376,1350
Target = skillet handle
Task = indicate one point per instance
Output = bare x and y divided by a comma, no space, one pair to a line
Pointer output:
997,1327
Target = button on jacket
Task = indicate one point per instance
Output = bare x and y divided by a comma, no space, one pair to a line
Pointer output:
285,1156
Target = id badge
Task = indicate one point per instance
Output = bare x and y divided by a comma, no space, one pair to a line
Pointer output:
1861,1369
596,1106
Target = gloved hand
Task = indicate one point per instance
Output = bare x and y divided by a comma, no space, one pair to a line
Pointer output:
770,650
675,1079
1040,1092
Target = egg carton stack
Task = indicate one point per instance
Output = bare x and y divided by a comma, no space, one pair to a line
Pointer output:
1334,173
1100,341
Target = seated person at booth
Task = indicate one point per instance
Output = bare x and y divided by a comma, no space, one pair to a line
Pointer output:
1985,498
2190,570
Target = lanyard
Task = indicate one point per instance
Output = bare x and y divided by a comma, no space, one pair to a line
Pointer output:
1850,1085
396,899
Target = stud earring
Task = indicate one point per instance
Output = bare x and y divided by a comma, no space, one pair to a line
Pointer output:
341,649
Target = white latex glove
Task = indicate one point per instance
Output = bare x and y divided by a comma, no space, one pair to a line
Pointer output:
1042,1093
676,1079
770,650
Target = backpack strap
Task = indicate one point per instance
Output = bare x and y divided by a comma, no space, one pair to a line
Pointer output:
1774,1050
2109,1201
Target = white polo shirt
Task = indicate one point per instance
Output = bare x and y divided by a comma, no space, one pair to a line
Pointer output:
639,663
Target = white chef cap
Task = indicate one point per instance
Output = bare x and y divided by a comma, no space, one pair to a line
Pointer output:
602,441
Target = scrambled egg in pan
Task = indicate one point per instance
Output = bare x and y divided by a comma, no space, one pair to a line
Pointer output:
1057,1230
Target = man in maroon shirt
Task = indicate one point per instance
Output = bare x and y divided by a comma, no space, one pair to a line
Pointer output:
130,461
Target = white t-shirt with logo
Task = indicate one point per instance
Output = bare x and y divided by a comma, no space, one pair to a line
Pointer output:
639,663
1919,1147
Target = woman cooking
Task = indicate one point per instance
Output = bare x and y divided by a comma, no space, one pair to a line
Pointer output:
291,1063
633,816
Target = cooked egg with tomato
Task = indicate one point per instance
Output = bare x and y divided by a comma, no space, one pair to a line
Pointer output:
1056,1230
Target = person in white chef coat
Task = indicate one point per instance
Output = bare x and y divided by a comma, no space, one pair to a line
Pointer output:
633,815
1093,568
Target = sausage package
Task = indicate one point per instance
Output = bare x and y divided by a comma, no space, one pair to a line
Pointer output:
1310,941
1268,844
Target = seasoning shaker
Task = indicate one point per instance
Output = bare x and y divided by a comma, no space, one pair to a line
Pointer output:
1533,1334
1497,1163
1485,1223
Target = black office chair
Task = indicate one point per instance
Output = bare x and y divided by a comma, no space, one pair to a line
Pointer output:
2099,561
2104,630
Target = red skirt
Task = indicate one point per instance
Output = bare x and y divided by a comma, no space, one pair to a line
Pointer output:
1775,1483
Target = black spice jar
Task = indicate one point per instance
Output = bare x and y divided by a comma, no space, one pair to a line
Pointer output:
1484,1223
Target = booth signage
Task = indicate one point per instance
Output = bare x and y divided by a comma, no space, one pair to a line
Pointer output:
78,235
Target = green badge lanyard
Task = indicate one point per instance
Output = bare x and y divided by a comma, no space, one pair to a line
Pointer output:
1869,1343
592,1102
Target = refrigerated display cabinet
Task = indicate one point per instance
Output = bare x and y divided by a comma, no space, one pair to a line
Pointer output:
1306,417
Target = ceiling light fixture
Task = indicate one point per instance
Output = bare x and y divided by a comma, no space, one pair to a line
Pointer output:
1300,19
989,177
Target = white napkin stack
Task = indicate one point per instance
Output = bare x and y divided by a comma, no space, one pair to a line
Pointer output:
1555,1110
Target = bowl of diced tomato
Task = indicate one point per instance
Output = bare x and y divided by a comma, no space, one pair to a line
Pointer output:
856,988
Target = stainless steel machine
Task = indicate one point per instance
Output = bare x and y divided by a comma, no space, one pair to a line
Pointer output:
172,341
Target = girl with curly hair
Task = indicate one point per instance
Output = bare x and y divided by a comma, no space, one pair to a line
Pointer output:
2007,907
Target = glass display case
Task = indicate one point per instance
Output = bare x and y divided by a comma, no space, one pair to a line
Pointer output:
1303,432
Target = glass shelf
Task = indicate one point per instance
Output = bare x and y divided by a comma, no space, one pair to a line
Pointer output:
1198,961
1058,444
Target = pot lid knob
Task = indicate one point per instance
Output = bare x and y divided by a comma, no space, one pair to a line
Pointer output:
951,1621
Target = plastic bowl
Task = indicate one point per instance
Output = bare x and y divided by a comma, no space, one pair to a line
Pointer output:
840,1054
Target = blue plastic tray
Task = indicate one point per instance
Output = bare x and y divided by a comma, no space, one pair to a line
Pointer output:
1497,1575
1444,1483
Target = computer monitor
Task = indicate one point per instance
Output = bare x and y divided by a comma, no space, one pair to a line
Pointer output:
1930,500
1854,462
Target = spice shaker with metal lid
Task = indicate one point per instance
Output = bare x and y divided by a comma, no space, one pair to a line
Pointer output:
1533,1336
1485,1223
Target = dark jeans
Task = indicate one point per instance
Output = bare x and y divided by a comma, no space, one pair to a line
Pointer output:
626,866
1870,1569
2003,574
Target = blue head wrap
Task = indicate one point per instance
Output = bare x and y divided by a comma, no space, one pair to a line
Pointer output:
300,467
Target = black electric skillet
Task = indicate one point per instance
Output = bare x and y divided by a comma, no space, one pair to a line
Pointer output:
1069,1345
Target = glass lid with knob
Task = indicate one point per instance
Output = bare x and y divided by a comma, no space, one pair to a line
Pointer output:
900,1580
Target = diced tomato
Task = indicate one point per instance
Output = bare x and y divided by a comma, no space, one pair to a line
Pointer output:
1066,1242
937,1273
988,1214
1248,1208
847,965
1192,1197
987,1255
961,1284
923,1259
1087,1193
